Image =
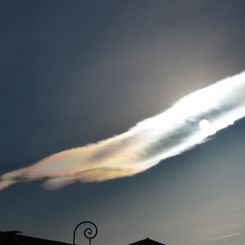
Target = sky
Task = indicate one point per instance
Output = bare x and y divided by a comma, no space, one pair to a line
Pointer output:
74,73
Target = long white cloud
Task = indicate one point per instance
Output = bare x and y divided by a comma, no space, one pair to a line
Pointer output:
187,123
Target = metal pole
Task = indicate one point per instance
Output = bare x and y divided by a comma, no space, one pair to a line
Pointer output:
89,232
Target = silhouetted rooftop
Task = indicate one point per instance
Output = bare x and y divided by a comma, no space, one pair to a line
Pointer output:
146,241
14,238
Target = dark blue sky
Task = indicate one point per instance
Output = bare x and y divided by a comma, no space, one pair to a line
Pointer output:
75,72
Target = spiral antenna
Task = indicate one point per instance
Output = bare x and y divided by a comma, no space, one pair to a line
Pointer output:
89,232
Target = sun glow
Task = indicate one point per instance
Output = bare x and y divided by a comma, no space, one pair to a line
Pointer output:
206,127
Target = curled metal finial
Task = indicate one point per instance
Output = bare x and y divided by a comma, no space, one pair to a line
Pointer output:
89,232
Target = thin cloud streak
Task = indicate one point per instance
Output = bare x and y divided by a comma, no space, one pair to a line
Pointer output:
187,123
223,237
228,236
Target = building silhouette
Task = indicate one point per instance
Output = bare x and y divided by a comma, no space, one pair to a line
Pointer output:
146,241
16,238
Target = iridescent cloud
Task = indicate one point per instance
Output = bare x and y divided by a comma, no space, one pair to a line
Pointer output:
187,123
